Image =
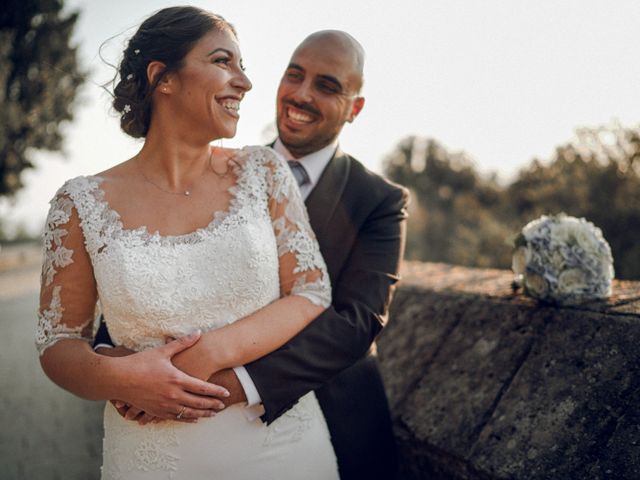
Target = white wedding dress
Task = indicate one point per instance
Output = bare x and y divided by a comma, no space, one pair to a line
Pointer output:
150,286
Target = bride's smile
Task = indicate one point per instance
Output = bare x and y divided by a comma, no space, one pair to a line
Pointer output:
204,95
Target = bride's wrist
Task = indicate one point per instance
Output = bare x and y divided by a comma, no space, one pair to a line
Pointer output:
116,375
212,352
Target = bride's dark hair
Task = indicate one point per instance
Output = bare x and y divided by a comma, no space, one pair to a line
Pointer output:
166,36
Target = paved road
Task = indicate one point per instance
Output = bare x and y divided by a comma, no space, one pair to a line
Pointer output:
45,433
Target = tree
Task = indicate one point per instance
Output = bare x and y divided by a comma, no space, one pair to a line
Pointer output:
453,215
462,218
596,176
39,79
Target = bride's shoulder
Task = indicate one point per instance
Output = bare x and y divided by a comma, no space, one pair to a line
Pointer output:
77,185
122,170
262,155
83,184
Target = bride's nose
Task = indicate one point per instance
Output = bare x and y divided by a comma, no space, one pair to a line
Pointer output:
242,82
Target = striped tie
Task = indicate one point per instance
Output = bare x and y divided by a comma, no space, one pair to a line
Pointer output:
299,172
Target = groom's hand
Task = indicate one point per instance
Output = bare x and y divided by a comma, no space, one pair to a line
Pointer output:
114,351
228,379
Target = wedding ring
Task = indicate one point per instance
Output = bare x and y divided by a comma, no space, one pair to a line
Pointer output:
179,416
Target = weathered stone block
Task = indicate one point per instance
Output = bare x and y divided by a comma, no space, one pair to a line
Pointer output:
460,388
562,408
486,384
404,358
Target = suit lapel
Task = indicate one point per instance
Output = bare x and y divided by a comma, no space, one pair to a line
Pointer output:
324,198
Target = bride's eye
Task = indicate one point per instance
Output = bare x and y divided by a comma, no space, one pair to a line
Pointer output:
222,60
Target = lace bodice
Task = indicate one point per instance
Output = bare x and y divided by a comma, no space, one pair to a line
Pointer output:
150,286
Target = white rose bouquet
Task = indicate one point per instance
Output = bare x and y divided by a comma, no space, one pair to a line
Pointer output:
563,260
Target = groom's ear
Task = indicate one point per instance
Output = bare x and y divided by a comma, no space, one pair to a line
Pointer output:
358,104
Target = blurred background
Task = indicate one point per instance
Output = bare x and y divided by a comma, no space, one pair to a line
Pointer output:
491,112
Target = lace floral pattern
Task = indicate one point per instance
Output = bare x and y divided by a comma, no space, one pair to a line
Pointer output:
154,450
56,254
50,327
291,426
150,286
158,279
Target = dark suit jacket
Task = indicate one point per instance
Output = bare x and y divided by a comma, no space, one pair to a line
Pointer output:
359,220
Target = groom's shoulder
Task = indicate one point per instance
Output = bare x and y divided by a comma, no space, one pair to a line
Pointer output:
373,182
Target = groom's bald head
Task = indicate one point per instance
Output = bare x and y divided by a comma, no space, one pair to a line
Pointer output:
342,46
319,91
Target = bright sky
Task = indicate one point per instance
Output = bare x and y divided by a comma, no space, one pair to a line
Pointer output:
503,80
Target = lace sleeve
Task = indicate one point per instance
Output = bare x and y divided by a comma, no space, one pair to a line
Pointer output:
302,268
68,292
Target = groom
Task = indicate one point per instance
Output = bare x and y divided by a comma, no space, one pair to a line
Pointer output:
359,220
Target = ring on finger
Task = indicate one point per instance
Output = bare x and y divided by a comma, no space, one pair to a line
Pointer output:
179,416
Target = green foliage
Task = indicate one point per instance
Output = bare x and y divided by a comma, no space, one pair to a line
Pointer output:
39,78
596,176
453,213
459,217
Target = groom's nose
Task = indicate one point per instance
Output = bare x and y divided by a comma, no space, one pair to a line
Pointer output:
303,93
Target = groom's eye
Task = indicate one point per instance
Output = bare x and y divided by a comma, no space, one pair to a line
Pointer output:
328,88
294,76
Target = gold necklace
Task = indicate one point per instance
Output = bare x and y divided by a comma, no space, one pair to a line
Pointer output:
186,193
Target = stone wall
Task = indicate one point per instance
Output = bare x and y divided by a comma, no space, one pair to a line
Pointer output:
487,384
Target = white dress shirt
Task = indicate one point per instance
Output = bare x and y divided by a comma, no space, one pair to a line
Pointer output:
314,164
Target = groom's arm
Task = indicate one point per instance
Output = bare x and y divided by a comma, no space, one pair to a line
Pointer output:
342,334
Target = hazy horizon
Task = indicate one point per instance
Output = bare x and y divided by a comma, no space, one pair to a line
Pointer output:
503,81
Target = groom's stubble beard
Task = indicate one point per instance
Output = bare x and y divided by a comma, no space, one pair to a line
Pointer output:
300,142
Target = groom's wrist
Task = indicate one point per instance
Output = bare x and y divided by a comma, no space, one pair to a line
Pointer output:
249,388
104,346
229,380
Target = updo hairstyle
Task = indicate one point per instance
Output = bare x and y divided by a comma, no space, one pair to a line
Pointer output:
166,36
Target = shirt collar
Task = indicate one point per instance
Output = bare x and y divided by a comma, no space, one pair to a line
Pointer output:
314,163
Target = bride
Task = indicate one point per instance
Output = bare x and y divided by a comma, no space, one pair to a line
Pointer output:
207,245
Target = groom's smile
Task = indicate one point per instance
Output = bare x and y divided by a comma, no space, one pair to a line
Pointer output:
318,93
298,116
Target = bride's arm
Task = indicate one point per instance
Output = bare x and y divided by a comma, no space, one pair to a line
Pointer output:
305,291
65,322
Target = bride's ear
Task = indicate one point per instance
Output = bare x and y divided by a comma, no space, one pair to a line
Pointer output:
157,76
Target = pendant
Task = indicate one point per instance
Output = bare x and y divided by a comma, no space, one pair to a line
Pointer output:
187,193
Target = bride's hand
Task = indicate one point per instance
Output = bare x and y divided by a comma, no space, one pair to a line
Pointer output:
126,411
154,385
